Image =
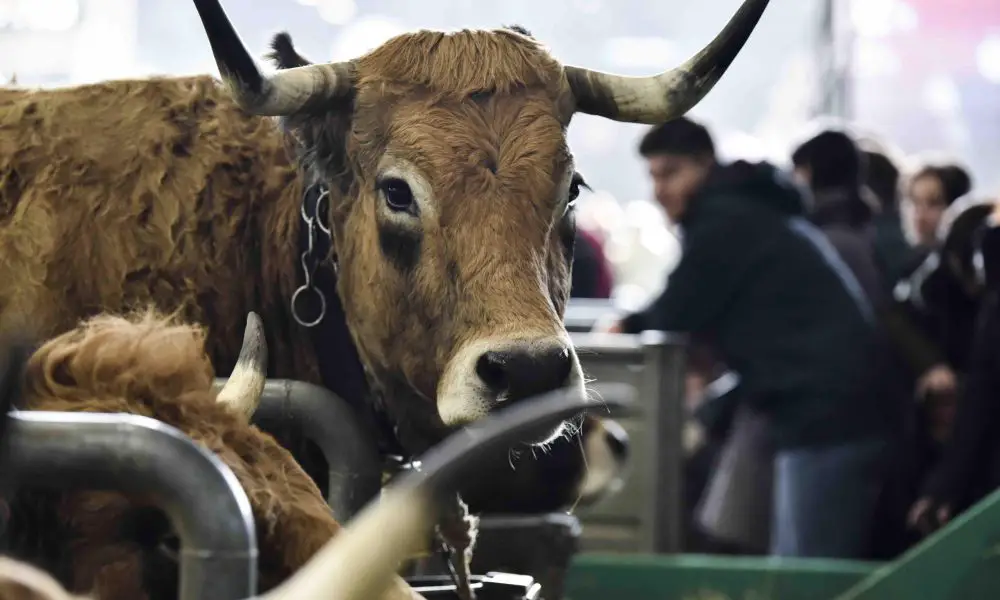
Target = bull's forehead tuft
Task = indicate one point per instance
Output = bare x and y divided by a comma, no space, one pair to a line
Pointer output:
462,62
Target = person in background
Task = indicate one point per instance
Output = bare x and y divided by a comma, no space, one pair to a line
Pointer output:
832,167
835,169
924,340
969,466
928,376
895,255
592,277
786,315
931,190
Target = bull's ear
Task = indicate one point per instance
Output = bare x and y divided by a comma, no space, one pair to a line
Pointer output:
296,132
519,29
283,53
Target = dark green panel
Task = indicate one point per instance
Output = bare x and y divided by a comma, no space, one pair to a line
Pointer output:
960,562
695,577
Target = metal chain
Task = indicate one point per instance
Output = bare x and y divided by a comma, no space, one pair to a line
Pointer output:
448,555
310,262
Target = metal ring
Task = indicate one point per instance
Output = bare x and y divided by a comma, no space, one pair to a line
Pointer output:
319,204
302,211
322,306
307,273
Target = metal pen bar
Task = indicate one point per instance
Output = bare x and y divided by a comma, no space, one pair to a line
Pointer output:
354,474
138,455
623,344
666,356
656,361
583,313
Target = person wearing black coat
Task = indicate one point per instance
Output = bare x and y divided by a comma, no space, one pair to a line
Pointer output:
787,315
968,267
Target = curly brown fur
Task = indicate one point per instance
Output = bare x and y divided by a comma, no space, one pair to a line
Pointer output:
156,367
128,193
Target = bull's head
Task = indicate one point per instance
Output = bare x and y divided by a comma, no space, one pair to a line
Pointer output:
451,194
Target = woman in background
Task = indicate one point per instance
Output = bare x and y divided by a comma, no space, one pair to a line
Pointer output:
969,467
932,189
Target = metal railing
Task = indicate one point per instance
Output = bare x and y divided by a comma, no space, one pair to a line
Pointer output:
354,473
583,313
647,514
138,455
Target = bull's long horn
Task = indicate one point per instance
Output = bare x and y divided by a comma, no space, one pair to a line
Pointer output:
361,562
244,387
670,94
284,93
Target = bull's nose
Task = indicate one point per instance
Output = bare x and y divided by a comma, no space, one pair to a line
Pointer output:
513,374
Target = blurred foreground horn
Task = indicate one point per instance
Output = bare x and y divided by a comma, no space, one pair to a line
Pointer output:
362,561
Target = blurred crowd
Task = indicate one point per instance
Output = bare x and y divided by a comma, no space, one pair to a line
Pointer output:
855,303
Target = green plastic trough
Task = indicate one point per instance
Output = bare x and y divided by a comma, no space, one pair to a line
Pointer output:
960,562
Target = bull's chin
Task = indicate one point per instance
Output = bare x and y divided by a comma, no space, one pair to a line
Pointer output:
544,435
454,420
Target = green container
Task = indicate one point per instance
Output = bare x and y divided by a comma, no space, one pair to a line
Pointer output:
694,577
960,562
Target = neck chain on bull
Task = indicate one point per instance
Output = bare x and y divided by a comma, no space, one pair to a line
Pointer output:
456,531
311,259
454,539
316,307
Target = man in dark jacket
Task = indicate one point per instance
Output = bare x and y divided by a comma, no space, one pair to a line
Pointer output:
896,256
835,169
832,167
788,316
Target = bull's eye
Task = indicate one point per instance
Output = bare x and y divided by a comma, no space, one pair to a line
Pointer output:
397,194
575,185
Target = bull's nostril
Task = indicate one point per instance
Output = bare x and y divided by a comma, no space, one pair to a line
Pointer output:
492,370
519,372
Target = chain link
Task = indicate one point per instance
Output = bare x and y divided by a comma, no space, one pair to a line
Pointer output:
310,262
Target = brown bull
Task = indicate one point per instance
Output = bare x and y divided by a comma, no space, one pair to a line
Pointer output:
112,545
450,207
149,366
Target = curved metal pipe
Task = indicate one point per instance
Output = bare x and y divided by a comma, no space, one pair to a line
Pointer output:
138,455
354,473
444,466
360,560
